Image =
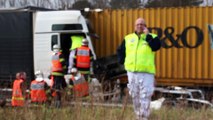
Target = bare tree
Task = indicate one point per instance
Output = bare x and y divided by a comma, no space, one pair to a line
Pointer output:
81,4
23,2
3,3
12,3
46,4
117,4
49,4
54,4
209,2
101,3
142,3
173,3
63,4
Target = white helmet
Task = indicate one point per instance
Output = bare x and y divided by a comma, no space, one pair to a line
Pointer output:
39,76
56,48
85,42
74,70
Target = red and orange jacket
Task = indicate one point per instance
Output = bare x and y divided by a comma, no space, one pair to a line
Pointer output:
83,58
17,96
58,64
38,93
80,86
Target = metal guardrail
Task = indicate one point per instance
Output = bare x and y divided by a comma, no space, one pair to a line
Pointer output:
181,91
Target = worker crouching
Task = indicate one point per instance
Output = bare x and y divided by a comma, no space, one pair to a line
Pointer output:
39,89
78,84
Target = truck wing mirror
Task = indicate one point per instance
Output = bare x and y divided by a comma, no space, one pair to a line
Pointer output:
93,35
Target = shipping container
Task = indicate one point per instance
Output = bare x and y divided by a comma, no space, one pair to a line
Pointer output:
186,56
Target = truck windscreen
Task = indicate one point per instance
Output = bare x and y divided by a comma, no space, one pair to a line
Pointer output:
56,27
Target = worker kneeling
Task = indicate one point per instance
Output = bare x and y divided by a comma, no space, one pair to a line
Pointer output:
79,85
38,89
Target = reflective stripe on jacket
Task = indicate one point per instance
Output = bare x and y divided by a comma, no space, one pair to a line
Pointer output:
57,64
17,97
83,57
76,41
80,87
38,91
139,55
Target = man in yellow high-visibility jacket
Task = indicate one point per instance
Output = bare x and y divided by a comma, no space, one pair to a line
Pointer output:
137,53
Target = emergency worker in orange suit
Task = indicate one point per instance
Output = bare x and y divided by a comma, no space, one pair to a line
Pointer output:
78,84
39,89
83,59
58,71
18,90
76,41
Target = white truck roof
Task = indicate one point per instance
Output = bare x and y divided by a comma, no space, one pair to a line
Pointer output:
47,18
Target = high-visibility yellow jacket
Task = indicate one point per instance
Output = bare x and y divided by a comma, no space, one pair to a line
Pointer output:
139,55
76,41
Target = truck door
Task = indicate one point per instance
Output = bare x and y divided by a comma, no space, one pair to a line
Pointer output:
43,46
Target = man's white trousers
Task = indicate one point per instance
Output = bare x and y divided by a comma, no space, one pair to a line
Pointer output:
141,88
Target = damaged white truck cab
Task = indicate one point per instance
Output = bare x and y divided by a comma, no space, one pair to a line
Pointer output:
56,27
27,37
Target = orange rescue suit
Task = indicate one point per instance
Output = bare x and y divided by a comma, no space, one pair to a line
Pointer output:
83,57
80,87
17,97
38,91
56,64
